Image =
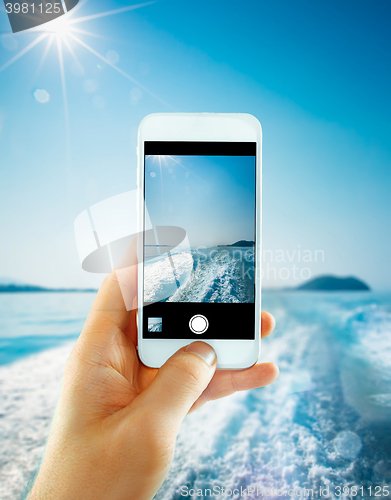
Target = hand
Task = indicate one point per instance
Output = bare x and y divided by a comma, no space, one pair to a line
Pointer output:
114,430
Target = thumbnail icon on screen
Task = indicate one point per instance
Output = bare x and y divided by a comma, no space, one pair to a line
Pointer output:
154,324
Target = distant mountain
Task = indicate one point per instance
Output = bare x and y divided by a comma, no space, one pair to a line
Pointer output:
23,288
240,243
333,284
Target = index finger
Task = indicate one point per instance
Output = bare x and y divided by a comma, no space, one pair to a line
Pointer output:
108,313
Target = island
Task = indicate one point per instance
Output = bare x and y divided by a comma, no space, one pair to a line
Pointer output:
240,243
331,283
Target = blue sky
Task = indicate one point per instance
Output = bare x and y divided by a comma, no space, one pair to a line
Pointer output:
316,75
211,197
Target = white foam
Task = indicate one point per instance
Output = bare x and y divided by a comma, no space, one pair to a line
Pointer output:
220,278
161,280
284,436
299,432
29,392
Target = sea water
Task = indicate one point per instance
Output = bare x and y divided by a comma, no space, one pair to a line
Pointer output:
325,422
215,274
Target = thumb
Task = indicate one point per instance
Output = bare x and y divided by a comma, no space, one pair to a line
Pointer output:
180,382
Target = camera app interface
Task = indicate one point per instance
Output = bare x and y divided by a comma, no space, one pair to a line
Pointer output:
199,256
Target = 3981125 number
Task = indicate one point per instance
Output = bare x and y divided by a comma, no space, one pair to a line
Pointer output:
26,8
354,491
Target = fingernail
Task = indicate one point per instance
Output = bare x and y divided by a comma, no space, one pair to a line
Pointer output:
202,350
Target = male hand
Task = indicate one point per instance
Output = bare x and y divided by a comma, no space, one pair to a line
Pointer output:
114,431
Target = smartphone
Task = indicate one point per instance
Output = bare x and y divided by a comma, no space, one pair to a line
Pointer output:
199,180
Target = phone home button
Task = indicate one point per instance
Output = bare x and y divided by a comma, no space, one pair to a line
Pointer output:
198,324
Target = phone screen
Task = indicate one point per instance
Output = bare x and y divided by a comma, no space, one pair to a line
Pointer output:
199,258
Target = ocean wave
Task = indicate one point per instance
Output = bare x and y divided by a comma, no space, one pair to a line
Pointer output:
371,324
311,428
366,367
29,392
218,277
163,276
300,432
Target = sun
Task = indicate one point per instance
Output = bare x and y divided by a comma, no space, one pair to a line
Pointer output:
66,35
60,26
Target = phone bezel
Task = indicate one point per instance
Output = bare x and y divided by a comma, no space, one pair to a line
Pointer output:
201,127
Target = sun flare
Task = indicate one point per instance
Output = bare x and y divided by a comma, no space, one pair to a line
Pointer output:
63,32
60,26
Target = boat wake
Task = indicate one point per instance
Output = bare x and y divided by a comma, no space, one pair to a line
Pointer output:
217,275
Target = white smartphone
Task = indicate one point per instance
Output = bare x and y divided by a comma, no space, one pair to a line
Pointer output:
199,179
